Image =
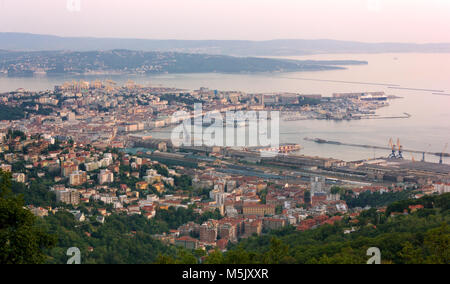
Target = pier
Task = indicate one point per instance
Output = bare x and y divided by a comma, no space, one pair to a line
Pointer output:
323,141
406,115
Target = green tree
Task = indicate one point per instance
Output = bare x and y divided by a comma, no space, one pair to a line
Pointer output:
337,189
162,170
278,253
437,245
21,242
410,254
216,257
241,256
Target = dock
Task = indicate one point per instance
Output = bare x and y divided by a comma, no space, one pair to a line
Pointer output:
406,115
323,141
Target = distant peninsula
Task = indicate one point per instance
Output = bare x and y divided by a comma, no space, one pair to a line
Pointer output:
118,62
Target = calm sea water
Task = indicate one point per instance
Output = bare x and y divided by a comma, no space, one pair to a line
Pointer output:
428,129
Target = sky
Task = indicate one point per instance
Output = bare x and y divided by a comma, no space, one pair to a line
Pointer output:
420,21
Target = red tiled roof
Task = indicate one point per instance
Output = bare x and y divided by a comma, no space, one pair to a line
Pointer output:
187,239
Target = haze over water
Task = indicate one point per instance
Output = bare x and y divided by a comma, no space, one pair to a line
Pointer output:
428,129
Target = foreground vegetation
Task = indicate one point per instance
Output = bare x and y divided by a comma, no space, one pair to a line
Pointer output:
21,241
406,238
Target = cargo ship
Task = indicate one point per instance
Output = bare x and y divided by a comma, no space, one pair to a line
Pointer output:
374,97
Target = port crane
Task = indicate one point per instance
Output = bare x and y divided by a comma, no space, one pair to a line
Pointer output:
441,159
395,147
393,155
400,150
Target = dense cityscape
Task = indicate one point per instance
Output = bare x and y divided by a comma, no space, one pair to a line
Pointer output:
84,149
224,140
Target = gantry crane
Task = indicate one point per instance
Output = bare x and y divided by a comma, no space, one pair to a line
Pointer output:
393,155
400,150
395,147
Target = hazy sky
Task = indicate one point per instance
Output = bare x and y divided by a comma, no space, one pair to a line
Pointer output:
361,20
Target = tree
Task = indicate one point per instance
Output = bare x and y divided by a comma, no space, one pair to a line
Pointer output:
278,253
13,134
411,255
241,256
337,189
11,113
162,170
437,245
216,257
184,182
21,242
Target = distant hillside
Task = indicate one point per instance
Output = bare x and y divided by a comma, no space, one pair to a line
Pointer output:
33,42
140,62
